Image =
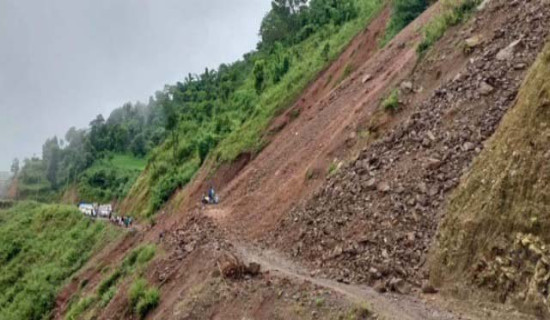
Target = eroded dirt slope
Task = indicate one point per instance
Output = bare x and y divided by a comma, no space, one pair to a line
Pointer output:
375,220
298,156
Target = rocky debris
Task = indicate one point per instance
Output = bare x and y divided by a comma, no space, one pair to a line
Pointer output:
427,288
182,240
375,219
367,78
508,52
233,268
407,86
398,285
485,88
473,42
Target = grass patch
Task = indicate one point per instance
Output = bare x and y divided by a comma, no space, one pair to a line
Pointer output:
143,298
391,103
453,13
135,262
110,178
127,162
333,168
79,308
41,247
348,70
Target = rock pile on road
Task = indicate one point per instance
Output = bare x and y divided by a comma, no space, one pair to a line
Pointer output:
374,221
198,231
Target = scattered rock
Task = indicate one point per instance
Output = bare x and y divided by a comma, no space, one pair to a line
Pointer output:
399,285
428,288
468,146
508,52
380,287
485,88
473,42
383,187
367,78
254,269
189,247
371,184
406,86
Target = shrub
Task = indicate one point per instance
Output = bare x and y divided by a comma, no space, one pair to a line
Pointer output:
404,12
148,302
454,12
146,253
333,169
106,284
169,183
391,103
142,298
107,297
77,309
136,292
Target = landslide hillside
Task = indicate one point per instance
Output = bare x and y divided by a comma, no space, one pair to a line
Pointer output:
495,235
347,193
375,219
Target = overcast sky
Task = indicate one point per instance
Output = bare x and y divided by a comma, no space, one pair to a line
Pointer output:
62,62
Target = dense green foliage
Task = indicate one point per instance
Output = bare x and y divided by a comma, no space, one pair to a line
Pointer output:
130,130
41,246
109,178
404,12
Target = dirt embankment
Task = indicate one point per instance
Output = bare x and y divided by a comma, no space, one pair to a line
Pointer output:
375,220
495,236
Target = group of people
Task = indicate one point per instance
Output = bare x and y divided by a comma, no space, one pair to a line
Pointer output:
122,221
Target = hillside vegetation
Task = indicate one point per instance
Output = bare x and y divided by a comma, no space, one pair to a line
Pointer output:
217,115
496,235
297,43
41,246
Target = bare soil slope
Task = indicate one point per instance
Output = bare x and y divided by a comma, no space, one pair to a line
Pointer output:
296,161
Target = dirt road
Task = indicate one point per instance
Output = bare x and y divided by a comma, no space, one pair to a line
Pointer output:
385,306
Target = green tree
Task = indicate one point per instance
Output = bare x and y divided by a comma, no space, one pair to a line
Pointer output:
171,123
259,76
51,156
15,167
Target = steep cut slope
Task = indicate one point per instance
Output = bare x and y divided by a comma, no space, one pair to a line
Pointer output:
495,235
375,220
296,161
